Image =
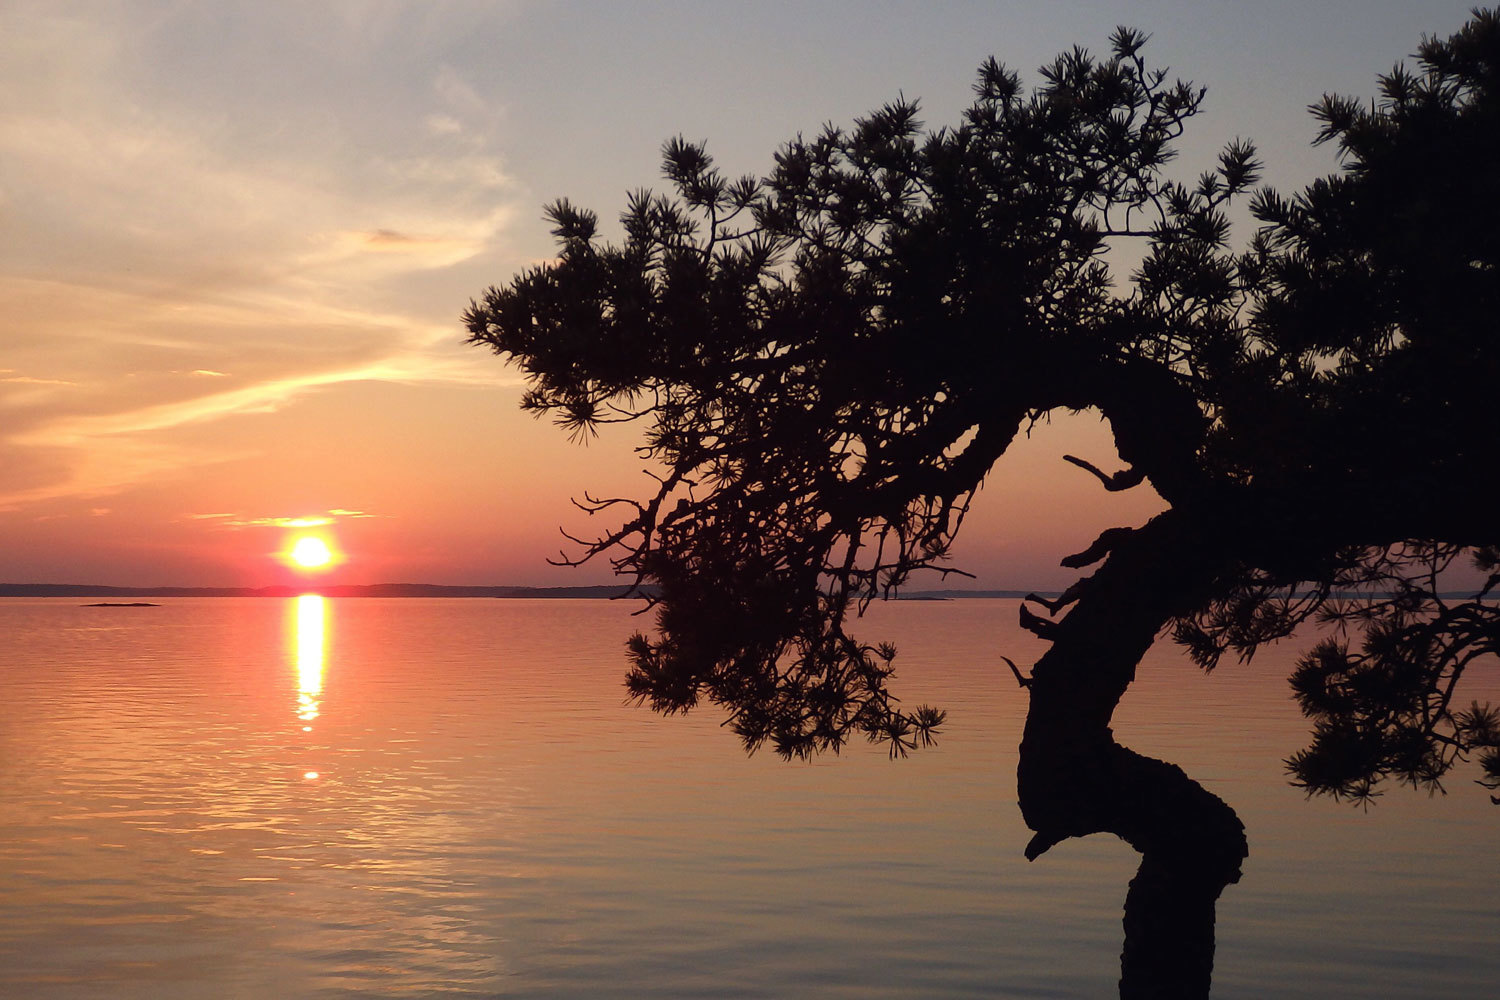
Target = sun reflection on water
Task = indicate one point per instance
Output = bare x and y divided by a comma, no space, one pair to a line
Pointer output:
311,640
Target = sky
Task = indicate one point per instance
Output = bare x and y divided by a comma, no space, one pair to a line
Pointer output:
236,238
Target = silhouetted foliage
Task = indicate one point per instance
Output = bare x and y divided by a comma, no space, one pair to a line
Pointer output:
831,358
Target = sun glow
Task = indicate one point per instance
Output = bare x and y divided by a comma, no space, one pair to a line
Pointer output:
310,552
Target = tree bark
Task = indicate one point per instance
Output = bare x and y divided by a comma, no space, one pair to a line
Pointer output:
1074,779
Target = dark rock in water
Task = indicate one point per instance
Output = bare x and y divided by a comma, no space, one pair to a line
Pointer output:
120,604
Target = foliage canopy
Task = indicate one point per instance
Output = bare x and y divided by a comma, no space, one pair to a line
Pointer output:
831,358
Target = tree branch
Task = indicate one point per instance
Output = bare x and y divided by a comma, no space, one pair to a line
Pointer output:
1122,480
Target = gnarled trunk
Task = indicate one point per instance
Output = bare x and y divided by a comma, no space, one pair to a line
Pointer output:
1074,779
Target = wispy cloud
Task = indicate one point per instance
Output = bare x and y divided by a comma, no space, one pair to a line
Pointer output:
236,520
111,451
281,522
161,230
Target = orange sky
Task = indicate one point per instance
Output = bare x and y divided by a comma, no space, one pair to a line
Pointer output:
236,238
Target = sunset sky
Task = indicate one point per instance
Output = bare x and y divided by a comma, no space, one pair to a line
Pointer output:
236,238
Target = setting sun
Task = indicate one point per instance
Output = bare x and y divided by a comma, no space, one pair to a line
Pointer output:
311,552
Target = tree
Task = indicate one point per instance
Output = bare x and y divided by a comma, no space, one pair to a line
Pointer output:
831,358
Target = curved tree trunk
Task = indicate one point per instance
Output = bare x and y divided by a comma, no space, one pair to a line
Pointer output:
1074,779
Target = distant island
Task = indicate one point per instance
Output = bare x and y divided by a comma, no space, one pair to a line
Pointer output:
402,590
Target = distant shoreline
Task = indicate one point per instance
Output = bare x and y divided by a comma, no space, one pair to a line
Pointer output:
441,590
407,590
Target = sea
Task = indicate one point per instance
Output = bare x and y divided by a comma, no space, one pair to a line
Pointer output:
401,798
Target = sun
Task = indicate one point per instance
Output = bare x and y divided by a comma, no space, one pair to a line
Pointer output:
311,552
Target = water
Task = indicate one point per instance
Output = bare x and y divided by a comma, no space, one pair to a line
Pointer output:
449,798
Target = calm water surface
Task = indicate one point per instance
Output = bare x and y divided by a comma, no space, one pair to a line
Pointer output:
412,798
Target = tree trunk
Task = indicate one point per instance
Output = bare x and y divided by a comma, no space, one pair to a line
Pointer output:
1074,779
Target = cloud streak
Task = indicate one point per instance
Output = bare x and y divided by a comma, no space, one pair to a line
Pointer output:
173,236
110,452
261,397
235,520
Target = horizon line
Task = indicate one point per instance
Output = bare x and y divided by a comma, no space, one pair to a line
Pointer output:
616,590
